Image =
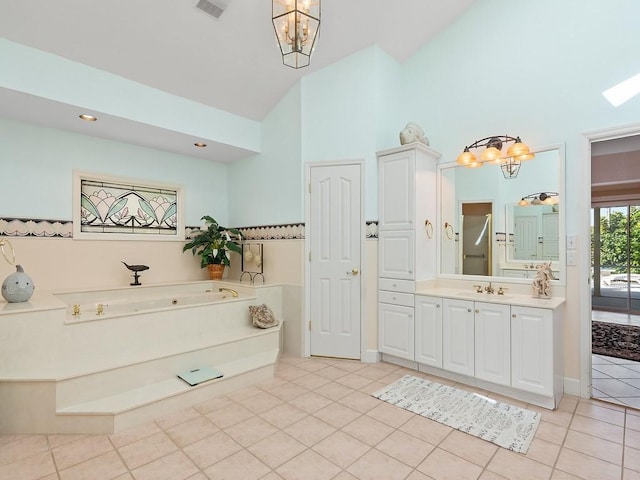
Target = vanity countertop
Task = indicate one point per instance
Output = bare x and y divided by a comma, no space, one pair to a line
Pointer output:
508,298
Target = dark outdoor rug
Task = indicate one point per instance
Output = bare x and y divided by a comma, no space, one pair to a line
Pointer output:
615,340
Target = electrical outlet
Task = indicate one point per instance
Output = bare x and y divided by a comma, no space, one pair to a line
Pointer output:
571,258
572,242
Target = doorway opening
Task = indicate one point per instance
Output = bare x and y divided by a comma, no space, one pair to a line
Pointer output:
476,238
615,261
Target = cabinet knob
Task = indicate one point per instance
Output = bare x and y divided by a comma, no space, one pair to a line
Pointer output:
513,315
437,305
477,311
410,271
468,309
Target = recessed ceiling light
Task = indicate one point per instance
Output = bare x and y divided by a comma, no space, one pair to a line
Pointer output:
200,144
88,118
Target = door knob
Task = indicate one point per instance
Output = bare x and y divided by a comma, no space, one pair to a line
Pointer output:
354,272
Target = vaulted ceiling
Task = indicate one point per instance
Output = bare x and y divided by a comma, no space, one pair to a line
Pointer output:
231,63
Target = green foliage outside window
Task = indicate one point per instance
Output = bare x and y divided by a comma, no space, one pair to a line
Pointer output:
613,240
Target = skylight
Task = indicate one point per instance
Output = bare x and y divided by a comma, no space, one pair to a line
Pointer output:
624,91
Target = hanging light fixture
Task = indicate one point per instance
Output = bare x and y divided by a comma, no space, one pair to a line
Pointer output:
297,23
542,198
509,163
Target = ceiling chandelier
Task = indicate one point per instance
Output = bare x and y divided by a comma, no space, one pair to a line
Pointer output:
509,163
297,23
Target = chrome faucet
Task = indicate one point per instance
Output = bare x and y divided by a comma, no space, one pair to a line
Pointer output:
230,290
489,289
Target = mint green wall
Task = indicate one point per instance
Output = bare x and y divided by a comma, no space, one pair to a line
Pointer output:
35,72
266,188
535,69
345,107
38,163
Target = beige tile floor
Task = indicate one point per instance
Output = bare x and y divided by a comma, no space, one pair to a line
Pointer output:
316,420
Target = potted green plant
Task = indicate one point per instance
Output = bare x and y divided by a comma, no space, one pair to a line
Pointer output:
213,244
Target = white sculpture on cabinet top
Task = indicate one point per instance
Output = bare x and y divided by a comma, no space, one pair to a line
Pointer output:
542,281
412,133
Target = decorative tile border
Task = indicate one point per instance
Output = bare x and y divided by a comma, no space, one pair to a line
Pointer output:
27,227
273,232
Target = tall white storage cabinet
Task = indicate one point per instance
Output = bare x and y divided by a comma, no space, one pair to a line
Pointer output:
406,254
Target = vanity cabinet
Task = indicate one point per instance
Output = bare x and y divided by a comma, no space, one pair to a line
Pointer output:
406,198
406,201
511,349
532,350
428,328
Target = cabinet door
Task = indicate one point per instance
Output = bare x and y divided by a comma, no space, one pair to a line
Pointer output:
532,350
396,191
493,342
428,336
396,254
396,330
458,336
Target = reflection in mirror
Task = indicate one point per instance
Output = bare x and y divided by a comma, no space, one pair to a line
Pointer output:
533,232
476,238
518,237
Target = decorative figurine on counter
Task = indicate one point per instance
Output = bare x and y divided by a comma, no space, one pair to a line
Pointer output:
17,287
413,133
136,269
542,281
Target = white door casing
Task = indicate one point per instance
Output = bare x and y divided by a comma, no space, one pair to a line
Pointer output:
335,244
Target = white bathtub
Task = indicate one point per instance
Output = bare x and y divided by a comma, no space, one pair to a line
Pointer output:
90,373
102,304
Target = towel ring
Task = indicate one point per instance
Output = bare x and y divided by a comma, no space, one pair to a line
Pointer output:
428,228
448,230
4,242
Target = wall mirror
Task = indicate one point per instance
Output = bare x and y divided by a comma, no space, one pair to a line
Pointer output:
492,227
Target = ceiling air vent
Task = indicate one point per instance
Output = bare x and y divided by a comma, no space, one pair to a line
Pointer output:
215,9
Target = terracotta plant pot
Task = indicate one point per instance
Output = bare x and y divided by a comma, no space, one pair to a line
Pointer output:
215,271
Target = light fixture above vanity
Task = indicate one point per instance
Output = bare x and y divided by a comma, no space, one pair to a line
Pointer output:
509,162
542,198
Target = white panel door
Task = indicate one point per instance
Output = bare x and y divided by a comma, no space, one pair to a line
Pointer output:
396,178
395,330
458,336
396,254
335,240
428,337
532,350
493,342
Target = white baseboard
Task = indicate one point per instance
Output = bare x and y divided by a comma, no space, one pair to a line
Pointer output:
572,386
371,356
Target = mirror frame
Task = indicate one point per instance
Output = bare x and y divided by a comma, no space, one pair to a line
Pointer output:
440,229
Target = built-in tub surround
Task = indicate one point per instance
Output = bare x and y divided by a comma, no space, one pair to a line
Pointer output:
102,304
89,373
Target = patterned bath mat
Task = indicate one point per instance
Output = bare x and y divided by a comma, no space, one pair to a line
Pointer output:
614,340
505,425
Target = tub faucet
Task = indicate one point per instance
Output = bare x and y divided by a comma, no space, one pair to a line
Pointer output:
230,290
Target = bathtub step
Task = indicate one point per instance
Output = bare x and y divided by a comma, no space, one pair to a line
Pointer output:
171,387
